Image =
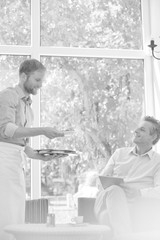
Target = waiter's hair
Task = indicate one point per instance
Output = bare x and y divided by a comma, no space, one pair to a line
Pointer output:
156,127
31,65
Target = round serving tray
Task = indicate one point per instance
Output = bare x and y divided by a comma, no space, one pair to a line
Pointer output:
55,152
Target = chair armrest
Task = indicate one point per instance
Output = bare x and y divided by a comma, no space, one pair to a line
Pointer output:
86,209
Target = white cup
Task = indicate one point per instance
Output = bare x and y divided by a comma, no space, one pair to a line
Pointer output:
77,220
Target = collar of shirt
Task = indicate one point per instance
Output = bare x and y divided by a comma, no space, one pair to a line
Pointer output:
149,153
26,99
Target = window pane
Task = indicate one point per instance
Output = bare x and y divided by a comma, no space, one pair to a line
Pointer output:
92,23
15,22
9,66
102,100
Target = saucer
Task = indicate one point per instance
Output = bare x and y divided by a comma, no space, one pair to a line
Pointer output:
78,224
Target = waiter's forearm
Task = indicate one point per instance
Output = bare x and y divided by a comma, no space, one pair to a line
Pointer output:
22,132
49,132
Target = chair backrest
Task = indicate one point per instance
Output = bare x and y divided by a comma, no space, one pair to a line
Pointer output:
36,211
86,209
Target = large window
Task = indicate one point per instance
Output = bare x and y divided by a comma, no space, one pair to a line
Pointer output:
101,100
96,82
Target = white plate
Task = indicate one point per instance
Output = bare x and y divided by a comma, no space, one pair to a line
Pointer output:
78,224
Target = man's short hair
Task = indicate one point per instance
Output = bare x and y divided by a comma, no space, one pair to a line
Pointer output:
156,127
31,65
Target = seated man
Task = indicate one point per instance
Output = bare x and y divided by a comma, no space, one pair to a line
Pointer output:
140,168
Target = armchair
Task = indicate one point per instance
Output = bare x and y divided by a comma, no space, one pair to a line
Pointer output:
145,219
86,209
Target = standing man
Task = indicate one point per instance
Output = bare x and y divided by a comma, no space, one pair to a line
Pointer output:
139,166
16,118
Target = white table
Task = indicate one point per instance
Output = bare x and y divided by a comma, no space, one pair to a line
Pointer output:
59,232
155,235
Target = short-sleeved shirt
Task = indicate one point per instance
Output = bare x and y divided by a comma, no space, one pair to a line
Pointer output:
15,111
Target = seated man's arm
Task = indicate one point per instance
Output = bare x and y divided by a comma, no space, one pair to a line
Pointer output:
109,168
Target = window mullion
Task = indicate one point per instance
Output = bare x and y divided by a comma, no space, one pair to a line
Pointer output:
35,53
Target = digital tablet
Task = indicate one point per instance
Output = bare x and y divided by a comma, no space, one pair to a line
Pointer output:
107,181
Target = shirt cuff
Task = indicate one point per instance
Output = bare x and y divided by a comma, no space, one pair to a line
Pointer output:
10,130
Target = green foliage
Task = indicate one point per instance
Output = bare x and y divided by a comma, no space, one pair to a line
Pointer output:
91,23
15,22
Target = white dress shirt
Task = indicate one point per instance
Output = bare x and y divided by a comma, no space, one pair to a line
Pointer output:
140,172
